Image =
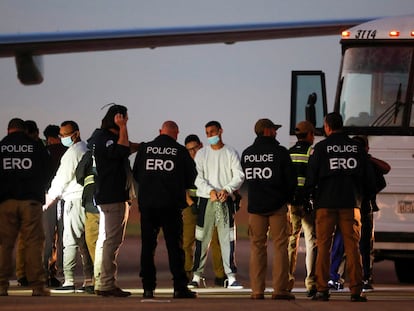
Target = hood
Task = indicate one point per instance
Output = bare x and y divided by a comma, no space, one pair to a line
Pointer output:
91,140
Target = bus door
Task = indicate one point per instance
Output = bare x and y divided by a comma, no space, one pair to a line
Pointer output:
308,99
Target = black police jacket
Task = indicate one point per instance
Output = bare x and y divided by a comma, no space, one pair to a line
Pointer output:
270,175
111,163
163,170
339,175
25,168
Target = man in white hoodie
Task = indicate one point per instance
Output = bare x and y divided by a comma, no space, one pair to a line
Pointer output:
65,186
219,175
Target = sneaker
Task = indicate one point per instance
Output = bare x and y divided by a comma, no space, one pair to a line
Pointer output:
90,289
116,292
335,285
23,282
235,285
193,284
358,298
40,291
367,287
321,296
219,281
66,289
286,296
53,282
148,294
185,293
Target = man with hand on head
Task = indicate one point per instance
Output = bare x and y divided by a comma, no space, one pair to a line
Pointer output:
111,148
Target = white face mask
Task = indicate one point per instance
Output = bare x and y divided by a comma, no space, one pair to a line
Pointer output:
213,140
67,141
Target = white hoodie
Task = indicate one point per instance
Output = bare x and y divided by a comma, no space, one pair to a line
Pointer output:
64,184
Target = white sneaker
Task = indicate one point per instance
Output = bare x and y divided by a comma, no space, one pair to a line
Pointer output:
235,285
66,289
193,284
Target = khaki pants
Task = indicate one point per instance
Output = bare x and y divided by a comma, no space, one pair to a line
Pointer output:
190,222
91,232
97,263
280,229
20,269
112,224
22,217
306,222
349,222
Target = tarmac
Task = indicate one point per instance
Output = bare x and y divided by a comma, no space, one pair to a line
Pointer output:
388,293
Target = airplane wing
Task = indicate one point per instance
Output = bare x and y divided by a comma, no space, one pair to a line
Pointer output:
27,47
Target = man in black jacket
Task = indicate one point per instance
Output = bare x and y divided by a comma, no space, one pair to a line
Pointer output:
111,149
164,170
24,173
338,178
271,180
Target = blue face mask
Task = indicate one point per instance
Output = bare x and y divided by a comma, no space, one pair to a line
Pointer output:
67,141
213,140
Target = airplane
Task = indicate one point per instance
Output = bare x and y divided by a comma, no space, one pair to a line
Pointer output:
28,48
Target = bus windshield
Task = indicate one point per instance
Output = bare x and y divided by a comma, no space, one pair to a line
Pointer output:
374,83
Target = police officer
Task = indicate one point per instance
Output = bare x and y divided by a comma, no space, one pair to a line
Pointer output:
164,170
271,181
302,218
338,177
24,174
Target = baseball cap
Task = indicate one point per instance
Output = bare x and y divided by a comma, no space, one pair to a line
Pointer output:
304,127
262,124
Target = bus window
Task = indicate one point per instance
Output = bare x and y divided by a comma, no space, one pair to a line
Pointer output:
374,84
308,99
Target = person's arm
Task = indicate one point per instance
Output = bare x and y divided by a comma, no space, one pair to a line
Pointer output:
201,182
237,173
64,174
382,165
121,121
133,147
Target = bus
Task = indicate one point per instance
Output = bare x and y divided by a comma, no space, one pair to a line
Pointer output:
375,95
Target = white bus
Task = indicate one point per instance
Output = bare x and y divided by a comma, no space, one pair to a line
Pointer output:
375,95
